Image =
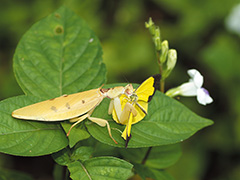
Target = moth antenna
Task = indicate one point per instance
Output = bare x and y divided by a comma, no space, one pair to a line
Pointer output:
125,78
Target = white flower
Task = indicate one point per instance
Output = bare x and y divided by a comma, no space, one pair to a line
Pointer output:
192,88
233,20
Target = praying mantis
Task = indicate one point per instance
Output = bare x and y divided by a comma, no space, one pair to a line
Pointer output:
127,106
74,107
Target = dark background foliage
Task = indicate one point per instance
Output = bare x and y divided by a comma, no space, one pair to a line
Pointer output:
196,29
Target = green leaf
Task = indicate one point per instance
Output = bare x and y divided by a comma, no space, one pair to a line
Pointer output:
27,138
161,175
82,153
13,175
59,55
100,168
77,133
62,157
146,172
160,157
67,155
167,122
143,171
164,156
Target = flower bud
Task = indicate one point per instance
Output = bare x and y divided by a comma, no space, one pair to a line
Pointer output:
164,51
157,39
150,25
172,59
170,64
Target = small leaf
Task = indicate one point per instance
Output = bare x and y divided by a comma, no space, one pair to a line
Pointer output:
59,55
67,155
167,122
27,138
146,172
160,157
77,133
82,153
100,168
143,171
62,157
161,175
164,156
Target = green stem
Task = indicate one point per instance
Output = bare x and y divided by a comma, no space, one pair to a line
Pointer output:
146,155
162,86
162,82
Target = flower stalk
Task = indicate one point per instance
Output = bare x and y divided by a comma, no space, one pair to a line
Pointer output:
166,58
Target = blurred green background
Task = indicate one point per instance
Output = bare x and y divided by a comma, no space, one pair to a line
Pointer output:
202,34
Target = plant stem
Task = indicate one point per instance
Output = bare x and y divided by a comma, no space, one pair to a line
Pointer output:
146,155
162,83
160,72
162,86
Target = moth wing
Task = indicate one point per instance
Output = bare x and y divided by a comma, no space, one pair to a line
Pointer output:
61,108
144,92
147,89
140,114
127,131
123,100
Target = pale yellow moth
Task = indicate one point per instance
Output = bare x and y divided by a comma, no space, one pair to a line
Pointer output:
74,107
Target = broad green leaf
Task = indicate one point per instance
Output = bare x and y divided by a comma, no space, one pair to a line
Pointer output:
27,138
167,122
59,55
160,157
146,172
100,168
13,175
